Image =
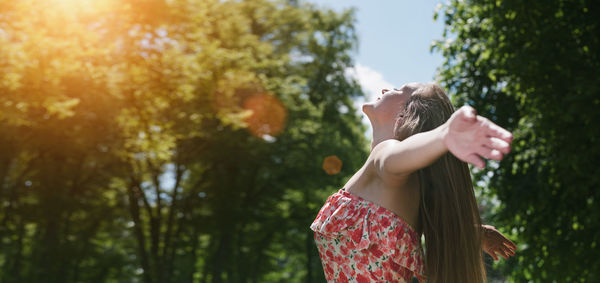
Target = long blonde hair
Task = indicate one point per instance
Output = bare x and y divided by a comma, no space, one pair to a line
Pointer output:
448,213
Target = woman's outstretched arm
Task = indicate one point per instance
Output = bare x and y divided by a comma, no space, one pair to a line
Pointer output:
466,135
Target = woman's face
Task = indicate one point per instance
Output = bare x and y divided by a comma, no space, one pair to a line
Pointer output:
387,107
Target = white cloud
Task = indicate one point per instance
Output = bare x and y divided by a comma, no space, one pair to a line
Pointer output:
371,81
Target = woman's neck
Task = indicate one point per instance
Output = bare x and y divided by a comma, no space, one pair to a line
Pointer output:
381,133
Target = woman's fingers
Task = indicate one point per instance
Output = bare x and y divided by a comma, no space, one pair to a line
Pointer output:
504,254
475,160
509,244
505,251
506,243
489,153
481,137
493,148
498,144
493,254
510,252
496,131
499,251
498,244
468,113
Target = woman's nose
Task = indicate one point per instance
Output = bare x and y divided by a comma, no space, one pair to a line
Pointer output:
384,90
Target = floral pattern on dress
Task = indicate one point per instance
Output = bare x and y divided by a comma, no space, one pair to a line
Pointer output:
359,241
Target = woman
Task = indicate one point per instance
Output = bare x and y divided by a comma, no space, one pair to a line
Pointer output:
415,181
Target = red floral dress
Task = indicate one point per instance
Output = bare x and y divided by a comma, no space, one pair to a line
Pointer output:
359,241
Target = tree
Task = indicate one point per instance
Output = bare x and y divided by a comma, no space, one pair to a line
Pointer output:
170,141
533,66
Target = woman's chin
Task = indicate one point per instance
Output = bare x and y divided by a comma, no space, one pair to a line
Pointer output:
367,108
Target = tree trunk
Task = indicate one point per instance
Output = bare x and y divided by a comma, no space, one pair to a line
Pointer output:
219,258
14,263
168,252
134,209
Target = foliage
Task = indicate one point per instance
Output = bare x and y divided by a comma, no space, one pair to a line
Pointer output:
534,67
130,151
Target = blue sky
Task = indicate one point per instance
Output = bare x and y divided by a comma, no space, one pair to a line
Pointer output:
394,41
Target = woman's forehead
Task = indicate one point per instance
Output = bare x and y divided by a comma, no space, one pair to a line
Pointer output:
409,86
413,85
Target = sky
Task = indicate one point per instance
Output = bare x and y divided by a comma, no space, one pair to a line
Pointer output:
394,41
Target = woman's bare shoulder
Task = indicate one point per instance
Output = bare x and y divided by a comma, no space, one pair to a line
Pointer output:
375,169
368,176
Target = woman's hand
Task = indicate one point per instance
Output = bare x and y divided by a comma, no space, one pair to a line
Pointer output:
466,135
494,243
470,137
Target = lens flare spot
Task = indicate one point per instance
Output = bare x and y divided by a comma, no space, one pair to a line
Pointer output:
268,115
332,165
